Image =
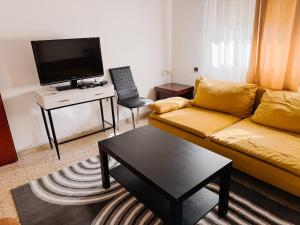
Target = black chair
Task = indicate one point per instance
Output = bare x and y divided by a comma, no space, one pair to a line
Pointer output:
127,93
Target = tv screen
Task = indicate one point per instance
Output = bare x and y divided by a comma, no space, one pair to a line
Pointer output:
67,59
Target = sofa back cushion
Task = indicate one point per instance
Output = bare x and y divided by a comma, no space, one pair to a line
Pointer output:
279,109
233,98
259,93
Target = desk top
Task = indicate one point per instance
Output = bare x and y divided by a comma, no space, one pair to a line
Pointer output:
52,91
49,98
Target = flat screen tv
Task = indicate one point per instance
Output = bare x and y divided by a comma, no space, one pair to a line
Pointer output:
64,60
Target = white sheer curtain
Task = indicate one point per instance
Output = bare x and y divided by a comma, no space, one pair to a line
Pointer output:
226,29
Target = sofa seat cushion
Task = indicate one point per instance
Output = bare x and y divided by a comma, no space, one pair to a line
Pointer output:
201,122
277,147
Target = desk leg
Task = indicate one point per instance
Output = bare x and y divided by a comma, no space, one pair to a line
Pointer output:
104,167
53,133
46,127
224,191
118,116
102,115
113,114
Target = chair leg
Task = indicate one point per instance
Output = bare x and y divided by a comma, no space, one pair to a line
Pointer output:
132,115
118,116
137,115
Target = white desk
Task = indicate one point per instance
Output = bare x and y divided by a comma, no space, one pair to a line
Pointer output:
49,99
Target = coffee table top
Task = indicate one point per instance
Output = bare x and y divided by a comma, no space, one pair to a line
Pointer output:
171,164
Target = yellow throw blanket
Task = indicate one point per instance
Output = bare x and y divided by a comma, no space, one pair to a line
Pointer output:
169,104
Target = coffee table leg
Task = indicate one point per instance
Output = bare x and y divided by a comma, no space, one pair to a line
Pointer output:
175,217
224,191
104,168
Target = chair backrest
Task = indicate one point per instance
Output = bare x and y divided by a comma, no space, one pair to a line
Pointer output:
124,84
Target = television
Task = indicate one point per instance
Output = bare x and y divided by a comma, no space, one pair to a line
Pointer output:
65,60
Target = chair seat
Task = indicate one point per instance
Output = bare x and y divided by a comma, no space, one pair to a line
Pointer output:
135,102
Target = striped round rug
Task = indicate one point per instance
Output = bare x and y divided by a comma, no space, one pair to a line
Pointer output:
74,196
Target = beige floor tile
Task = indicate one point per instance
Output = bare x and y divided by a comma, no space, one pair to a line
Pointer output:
10,167
35,157
39,168
8,208
9,211
1,213
65,161
12,178
86,152
35,163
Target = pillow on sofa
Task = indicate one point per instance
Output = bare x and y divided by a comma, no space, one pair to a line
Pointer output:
169,104
279,109
234,98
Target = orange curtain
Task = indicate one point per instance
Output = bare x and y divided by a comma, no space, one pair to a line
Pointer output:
275,53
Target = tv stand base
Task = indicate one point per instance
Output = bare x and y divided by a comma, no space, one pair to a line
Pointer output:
73,85
81,85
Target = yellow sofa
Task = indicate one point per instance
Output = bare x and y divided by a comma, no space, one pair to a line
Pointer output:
269,154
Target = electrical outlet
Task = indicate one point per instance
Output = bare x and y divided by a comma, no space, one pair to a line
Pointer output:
196,69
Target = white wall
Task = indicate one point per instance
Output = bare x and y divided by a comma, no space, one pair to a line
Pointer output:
213,35
185,36
132,32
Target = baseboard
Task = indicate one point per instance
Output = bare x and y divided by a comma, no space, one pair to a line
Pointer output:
82,133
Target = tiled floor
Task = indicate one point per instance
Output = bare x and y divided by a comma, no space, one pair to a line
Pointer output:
33,164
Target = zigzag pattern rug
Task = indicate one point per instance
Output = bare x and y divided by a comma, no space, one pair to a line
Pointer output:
74,196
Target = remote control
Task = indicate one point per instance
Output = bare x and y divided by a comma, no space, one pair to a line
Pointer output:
102,83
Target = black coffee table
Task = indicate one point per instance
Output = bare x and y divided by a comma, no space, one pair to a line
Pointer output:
167,174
